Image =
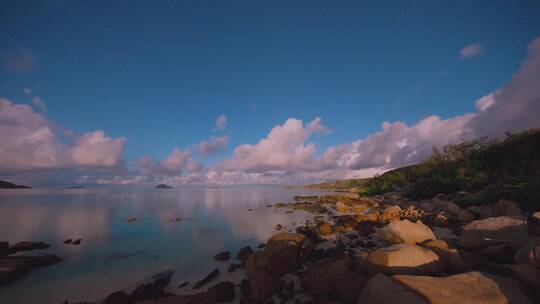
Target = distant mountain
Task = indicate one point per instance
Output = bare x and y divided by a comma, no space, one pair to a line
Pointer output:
163,186
8,185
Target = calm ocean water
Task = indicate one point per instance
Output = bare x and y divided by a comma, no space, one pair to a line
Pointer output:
115,254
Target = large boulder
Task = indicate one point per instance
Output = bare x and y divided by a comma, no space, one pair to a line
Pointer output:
403,259
390,213
383,290
451,256
264,268
529,254
464,288
493,230
506,208
405,231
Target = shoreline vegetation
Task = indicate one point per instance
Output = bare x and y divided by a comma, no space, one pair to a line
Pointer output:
466,216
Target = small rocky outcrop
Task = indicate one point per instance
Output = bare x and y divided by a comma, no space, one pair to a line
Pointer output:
223,256
212,275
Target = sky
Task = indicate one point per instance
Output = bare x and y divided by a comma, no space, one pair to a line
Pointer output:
227,92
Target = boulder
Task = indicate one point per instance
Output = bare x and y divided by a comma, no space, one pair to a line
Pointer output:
529,254
341,207
316,281
390,213
483,211
500,253
403,259
325,228
383,290
263,268
212,275
347,283
465,216
27,246
452,208
493,230
451,256
223,292
244,253
528,275
506,208
469,287
222,256
4,249
118,297
405,231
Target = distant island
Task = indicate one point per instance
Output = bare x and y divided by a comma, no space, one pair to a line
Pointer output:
8,185
75,187
163,186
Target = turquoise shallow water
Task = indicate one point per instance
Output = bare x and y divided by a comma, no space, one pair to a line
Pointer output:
115,254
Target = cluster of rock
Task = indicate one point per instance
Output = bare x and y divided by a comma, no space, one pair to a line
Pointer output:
381,250
13,266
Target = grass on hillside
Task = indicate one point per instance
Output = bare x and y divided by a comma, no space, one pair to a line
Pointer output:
479,171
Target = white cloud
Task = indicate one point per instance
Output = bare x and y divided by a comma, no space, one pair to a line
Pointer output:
40,104
97,149
213,145
29,142
284,148
472,50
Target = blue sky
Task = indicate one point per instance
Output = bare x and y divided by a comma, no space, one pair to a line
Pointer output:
159,73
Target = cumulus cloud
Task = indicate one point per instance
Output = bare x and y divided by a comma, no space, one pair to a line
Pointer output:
221,123
20,61
97,149
472,50
213,145
284,148
29,142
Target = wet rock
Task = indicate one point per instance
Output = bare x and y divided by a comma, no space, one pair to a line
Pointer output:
4,249
27,246
118,297
493,230
364,229
245,289
466,216
506,208
501,253
263,268
483,211
325,228
222,256
405,231
13,267
77,242
452,209
341,207
131,219
470,287
390,213
261,245
183,285
403,259
278,227
233,267
529,253
383,290
223,291
68,241
212,275
244,253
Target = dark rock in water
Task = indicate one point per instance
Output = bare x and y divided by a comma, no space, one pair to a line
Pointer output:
245,289
27,246
224,291
163,186
8,185
4,249
233,267
176,219
68,241
183,285
223,256
212,275
77,242
13,267
250,209
261,246
244,253
131,219
118,297
153,290
278,227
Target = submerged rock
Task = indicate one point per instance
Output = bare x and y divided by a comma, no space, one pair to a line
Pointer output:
13,267
27,246
212,275
223,256
244,253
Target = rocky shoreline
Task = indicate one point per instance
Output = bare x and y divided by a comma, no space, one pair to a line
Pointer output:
380,249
